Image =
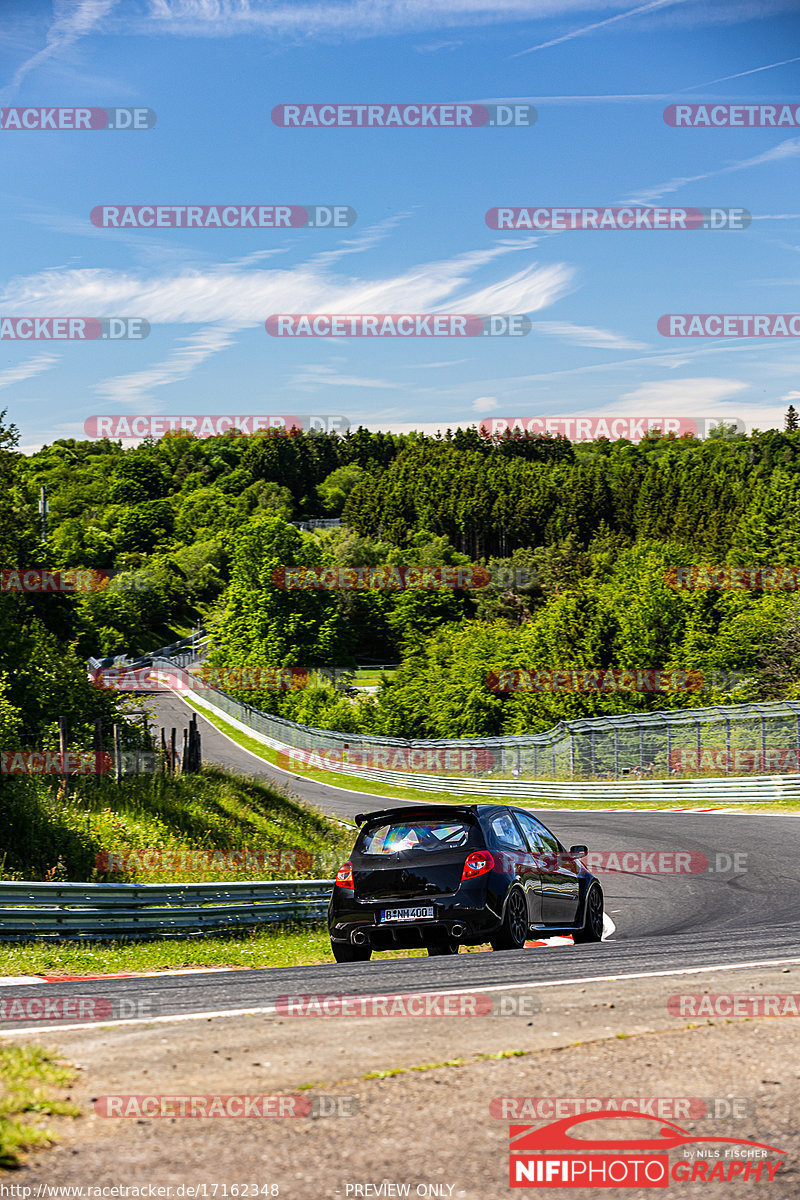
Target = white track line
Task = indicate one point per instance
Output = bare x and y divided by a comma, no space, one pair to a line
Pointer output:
269,1009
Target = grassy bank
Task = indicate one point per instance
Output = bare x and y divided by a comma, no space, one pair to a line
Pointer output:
27,1076
101,831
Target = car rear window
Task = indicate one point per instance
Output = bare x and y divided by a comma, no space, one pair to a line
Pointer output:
395,837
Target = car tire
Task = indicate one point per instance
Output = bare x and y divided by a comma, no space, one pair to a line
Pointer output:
513,933
592,930
435,949
345,952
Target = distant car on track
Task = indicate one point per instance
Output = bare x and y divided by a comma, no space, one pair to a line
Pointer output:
438,876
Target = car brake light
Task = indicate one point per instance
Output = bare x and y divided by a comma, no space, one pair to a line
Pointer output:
479,862
344,876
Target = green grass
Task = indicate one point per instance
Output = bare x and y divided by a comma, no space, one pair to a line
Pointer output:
59,836
27,1073
264,946
366,677
392,792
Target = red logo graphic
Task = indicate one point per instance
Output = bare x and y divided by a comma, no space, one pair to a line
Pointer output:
554,1157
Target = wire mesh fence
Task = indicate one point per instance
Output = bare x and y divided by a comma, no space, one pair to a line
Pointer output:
745,739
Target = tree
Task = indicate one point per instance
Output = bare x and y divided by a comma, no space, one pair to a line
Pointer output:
791,424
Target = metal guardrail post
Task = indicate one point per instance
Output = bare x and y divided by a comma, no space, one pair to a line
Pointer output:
727,745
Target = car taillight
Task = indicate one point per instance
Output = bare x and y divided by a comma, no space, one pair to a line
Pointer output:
479,862
344,876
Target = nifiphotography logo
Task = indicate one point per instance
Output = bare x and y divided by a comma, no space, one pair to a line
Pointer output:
553,1157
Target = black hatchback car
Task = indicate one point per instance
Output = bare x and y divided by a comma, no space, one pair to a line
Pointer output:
439,876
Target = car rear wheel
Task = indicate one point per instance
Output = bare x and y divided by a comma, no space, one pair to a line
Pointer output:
593,917
514,930
437,948
345,952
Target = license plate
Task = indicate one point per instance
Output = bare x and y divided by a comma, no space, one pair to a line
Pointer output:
425,913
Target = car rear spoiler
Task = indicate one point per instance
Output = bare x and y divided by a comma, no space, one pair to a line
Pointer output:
417,810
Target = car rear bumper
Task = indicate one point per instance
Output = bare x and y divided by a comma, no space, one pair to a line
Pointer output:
455,918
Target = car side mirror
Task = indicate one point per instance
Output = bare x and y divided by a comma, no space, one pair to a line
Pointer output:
578,851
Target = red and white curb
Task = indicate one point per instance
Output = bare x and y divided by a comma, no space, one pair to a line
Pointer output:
553,941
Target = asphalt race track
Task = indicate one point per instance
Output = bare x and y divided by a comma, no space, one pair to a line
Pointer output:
664,922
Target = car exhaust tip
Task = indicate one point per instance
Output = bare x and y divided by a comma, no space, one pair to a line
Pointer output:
457,930
359,938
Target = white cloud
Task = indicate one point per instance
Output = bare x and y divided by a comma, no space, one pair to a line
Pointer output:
376,18
791,396
135,388
74,19
247,297
790,148
740,74
484,404
530,289
435,47
315,375
230,298
568,37
27,370
354,18
587,335
683,397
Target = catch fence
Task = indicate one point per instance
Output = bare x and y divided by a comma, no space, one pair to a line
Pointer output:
740,740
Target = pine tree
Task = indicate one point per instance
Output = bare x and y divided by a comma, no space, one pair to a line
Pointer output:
791,424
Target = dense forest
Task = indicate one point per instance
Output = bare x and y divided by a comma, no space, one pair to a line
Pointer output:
579,539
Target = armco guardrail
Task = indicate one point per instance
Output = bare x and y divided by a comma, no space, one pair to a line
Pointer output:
124,910
185,648
283,735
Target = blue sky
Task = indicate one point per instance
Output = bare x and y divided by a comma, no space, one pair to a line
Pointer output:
600,75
